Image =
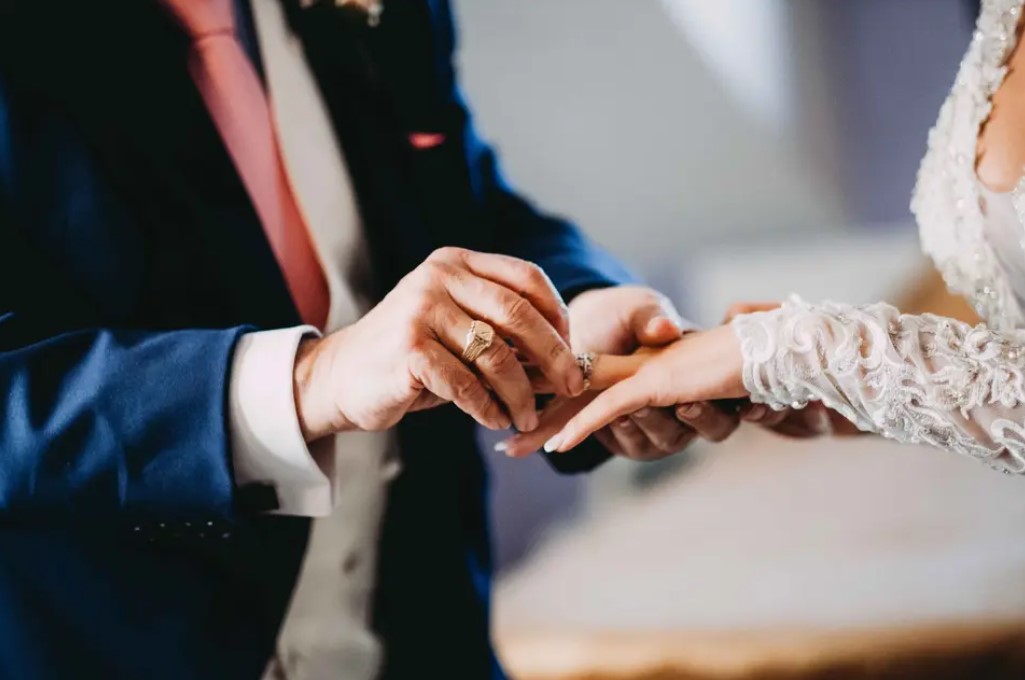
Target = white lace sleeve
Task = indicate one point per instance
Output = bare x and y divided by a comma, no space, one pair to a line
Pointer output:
911,378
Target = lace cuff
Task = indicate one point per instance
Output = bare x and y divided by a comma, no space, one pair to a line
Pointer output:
911,378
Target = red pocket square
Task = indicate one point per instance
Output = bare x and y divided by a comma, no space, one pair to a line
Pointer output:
426,140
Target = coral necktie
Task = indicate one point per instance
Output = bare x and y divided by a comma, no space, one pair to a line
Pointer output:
235,98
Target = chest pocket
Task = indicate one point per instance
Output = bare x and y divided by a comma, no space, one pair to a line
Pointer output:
412,50
448,192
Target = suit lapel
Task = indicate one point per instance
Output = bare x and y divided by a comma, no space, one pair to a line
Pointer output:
130,96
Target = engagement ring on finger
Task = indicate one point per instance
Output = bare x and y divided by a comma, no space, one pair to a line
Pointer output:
585,360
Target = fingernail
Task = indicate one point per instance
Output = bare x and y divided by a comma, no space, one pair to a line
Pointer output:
756,413
502,446
653,326
689,411
643,413
531,422
623,422
552,444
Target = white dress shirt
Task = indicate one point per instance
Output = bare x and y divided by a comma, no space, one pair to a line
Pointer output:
326,633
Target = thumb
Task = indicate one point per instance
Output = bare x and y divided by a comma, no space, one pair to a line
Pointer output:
653,327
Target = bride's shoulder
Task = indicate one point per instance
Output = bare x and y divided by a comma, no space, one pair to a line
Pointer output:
946,200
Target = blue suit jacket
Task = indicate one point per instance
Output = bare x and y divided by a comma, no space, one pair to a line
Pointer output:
130,263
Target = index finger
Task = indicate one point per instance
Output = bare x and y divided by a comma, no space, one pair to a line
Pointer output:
525,278
619,400
553,417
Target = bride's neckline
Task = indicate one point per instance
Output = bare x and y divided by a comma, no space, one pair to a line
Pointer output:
947,196
1012,54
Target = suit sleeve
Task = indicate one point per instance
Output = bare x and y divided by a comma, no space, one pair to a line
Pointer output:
98,421
572,261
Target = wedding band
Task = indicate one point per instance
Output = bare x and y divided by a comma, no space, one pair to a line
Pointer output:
585,360
478,339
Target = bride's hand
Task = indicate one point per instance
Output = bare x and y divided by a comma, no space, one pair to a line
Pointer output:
816,420
701,366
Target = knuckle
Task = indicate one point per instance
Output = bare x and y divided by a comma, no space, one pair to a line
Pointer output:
517,308
661,441
446,254
665,443
470,391
650,416
534,276
431,272
511,311
411,339
498,358
497,418
659,302
444,271
414,282
558,350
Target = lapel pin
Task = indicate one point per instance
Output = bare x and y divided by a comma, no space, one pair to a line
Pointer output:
372,8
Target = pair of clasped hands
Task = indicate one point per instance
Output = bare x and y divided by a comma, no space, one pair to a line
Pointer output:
654,387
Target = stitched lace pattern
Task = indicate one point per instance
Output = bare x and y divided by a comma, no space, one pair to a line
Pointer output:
915,379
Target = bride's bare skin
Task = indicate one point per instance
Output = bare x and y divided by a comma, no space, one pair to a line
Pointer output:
699,367
611,370
1000,154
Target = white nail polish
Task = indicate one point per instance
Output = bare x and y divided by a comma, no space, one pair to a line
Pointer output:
552,444
502,446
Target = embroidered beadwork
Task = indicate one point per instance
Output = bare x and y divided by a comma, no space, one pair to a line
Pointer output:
946,199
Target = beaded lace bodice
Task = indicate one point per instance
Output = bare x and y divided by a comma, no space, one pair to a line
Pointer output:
947,199
925,378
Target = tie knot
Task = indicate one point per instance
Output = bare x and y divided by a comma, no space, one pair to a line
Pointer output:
202,18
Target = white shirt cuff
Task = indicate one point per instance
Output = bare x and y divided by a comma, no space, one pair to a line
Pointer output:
267,445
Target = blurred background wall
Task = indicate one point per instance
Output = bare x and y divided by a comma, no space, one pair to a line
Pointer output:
663,125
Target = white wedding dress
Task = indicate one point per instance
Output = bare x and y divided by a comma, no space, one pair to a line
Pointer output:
925,378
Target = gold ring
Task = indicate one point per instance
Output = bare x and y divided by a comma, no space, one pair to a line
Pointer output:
478,339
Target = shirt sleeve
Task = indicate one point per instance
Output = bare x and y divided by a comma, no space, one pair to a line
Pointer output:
267,445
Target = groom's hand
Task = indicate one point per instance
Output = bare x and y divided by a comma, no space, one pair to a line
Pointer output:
408,352
622,320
